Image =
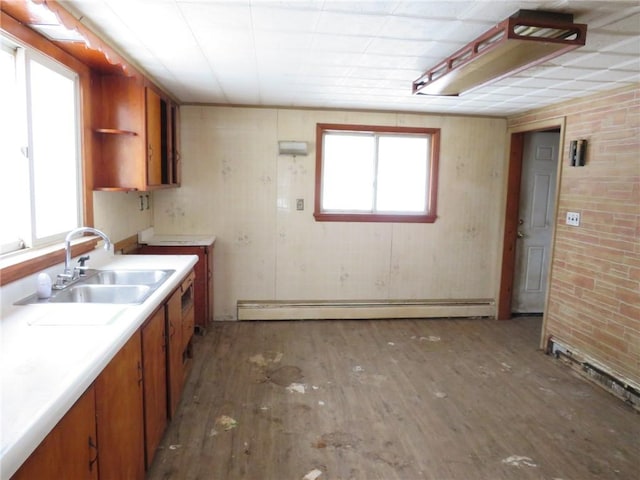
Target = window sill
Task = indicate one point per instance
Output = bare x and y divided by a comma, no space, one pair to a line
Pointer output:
372,217
19,265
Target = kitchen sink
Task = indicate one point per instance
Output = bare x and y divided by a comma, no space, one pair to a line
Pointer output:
107,286
95,293
128,277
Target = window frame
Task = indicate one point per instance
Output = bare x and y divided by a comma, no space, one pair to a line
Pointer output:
432,188
21,263
25,56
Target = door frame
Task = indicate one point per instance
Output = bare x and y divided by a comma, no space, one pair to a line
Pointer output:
515,137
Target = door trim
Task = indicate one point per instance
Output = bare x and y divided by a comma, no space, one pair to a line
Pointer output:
512,201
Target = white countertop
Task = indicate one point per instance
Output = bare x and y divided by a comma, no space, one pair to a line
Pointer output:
149,237
44,369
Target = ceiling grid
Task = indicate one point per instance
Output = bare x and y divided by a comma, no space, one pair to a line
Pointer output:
354,54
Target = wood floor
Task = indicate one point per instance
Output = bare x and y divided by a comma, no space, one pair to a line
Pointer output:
417,399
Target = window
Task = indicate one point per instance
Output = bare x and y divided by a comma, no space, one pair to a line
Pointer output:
376,174
40,186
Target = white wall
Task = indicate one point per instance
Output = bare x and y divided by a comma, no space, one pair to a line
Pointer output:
235,186
118,214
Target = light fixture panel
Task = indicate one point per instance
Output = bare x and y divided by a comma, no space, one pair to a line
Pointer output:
519,42
292,147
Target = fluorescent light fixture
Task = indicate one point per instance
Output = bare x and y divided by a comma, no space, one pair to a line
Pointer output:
291,147
521,41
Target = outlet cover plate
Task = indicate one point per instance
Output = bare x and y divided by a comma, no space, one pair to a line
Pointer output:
573,219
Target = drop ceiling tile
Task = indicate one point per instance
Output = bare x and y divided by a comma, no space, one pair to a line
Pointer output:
408,28
392,46
632,65
605,59
265,16
213,15
378,7
340,43
403,77
536,83
625,23
290,42
349,52
617,76
491,12
608,42
355,24
388,61
446,10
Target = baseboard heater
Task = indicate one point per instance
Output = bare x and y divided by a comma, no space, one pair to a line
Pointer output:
363,309
588,368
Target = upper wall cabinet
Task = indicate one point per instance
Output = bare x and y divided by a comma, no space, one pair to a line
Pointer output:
135,130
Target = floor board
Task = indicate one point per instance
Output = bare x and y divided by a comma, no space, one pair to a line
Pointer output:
454,399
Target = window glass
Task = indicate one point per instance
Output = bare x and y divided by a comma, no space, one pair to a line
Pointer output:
40,182
402,173
14,181
54,152
348,173
376,173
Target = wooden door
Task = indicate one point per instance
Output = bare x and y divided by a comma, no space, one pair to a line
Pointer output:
154,367
154,138
536,221
174,335
119,412
69,450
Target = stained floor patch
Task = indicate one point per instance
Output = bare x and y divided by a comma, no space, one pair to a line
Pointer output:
285,375
336,440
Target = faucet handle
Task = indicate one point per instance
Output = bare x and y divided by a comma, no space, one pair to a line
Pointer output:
62,280
80,269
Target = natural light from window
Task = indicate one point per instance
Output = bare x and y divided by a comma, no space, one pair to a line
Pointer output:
384,174
40,187
402,174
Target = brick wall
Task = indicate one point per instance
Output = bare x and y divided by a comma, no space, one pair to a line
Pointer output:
594,300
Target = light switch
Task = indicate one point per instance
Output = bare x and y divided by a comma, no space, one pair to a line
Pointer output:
300,204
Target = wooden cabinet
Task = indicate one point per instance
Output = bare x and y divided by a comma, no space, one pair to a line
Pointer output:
154,368
69,450
155,155
120,420
136,135
180,329
203,284
187,308
175,373
119,414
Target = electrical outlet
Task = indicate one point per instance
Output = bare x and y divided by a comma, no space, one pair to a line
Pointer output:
300,204
573,219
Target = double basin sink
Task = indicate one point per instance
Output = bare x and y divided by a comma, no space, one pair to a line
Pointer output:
108,286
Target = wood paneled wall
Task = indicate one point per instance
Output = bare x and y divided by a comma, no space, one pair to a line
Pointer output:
236,187
594,299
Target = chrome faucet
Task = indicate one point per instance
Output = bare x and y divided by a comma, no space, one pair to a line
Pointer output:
71,275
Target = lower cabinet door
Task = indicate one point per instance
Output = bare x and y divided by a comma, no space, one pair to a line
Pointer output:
119,414
70,449
174,354
154,366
